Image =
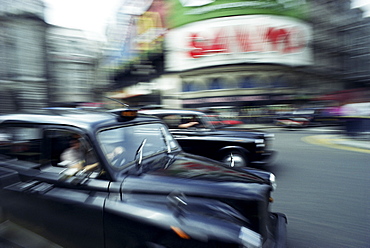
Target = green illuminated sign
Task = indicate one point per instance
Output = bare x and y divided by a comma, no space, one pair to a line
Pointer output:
182,12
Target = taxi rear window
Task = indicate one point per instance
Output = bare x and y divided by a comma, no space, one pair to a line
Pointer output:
23,143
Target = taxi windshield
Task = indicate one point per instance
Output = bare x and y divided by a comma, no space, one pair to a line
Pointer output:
121,145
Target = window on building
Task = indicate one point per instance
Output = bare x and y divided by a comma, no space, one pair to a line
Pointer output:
186,86
279,82
215,84
247,82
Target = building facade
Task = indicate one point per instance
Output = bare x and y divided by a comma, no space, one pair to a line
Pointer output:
43,65
238,58
73,63
23,66
240,53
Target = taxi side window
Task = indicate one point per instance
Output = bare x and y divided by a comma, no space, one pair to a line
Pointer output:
22,143
172,121
56,141
69,149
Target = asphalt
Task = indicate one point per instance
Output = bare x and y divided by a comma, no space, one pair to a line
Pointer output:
336,137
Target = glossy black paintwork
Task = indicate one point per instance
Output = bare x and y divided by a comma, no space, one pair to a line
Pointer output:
138,206
214,141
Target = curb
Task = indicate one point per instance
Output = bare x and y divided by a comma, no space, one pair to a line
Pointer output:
339,139
338,142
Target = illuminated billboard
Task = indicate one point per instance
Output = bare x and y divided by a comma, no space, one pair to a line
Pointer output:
239,39
181,12
138,31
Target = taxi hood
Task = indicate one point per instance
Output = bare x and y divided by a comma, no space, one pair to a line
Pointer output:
199,176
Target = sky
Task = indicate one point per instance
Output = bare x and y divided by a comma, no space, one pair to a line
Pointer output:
88,15
364,4
93,15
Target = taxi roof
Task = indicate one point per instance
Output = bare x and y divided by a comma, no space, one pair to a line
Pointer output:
82,118
171,111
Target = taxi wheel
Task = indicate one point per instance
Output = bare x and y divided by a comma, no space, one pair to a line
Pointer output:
240,160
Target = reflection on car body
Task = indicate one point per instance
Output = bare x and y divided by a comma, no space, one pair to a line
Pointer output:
229,144
146,192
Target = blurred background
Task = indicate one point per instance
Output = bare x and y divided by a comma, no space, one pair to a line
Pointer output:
247,59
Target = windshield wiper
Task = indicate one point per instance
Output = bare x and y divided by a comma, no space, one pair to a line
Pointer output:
232,162
139,152
169,150
163,132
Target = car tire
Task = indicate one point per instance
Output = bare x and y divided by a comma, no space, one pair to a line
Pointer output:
240,159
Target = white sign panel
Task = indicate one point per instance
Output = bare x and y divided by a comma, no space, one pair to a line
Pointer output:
239,39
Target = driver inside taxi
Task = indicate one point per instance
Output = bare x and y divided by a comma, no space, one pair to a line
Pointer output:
77,157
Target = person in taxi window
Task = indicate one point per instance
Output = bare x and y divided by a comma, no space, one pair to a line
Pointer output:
186,123
77,157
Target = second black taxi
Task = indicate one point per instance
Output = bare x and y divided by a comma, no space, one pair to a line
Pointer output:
235,146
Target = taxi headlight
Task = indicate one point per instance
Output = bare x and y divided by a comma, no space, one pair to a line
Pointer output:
250,238
259,141
273,181
269,136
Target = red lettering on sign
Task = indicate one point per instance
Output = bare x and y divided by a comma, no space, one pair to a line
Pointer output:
262,39
243,40
278,38
219,43
285,40
202,46
197,44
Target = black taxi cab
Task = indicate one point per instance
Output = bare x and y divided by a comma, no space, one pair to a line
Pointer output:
90,178
198,134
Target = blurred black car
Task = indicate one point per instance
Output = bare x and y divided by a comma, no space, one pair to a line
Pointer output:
143,190
306,117
292,120
230,144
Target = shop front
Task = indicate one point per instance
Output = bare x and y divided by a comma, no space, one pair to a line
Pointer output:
243,60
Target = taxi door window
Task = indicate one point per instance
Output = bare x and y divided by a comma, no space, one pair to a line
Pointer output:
22,143
58,141
172,121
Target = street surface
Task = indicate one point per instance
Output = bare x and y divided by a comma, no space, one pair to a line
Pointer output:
324,191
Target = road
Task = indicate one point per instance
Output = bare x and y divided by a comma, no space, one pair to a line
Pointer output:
323,191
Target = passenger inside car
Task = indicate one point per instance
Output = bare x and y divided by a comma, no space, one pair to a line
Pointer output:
189,121
188,124
79,156
172,121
